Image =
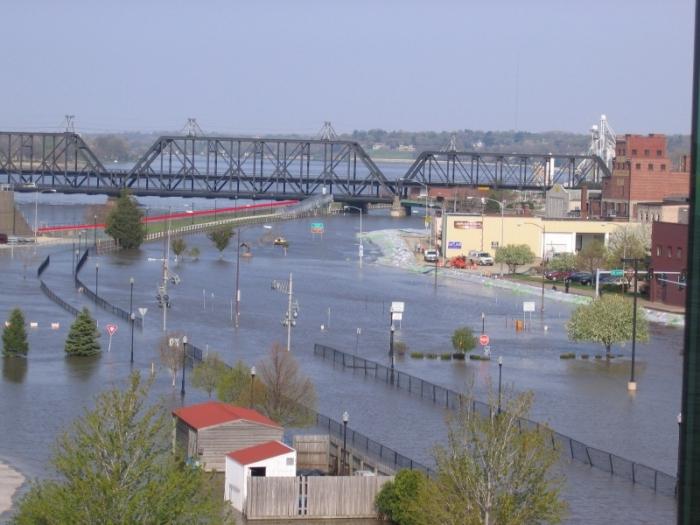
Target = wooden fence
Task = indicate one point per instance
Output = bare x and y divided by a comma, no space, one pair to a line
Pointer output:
313,497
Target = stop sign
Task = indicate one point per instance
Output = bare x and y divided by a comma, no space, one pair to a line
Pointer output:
484,340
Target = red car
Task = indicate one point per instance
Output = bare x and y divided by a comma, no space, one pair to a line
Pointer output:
557,275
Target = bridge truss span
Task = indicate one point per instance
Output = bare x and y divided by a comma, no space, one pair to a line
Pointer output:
499,170
257,167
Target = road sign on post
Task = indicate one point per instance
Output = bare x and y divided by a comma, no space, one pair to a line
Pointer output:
616,273
528,306
484,340
111,330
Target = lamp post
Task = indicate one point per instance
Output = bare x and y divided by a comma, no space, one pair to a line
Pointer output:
252,384
500,367
94,231
97,272
391,350
357,339
346,418
544,235
184,362
132,317
632,385
238,272
361,247
483,323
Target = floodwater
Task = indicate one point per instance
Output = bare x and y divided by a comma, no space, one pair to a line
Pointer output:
587,400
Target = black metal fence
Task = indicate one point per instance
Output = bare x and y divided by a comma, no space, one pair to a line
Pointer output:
447,398
50,293
99,301
359,442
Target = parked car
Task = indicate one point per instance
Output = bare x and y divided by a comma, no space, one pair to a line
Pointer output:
481,258
584,278
557,275
430,255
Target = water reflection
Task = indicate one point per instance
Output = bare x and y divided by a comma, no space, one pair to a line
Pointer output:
14,369
82,367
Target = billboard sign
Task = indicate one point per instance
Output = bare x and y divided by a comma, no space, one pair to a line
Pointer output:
467,225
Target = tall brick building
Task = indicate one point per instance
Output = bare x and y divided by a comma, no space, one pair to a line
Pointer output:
642,172
669,257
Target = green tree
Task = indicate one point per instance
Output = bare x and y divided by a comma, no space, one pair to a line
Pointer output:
171,350
592,256
179,246
514,255
83,335
564,262
607,321
233,384
124,223
115,465
14,336
463,340
492,472
221,238
290,397
629,242
397,499
206,375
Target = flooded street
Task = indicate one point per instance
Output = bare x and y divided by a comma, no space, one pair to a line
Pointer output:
587,400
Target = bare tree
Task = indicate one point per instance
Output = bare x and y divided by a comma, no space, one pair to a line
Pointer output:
171,351
290,397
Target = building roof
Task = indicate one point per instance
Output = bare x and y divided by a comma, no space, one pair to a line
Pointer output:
214,413
270,449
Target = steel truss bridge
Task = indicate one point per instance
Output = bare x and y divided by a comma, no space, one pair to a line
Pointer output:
272,168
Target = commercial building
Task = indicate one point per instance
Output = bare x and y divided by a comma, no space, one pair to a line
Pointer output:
562,203
669,210
669,259
463,233
642,172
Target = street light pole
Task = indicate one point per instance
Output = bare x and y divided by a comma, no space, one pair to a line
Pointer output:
483,323
131,315
391,350
252,385
184,363
94,230
238,272
357,339
500,367
97,270
632,385
346,418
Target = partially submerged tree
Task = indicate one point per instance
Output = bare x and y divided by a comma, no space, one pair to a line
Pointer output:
124,222
290,397
171,349
234,386
83,336
14,336
607,321
463,340
514,255
194,253
206,375
491,471
221,238
179,246
115,465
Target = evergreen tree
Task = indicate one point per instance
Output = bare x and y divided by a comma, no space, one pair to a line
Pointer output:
14,337
124,223
82,337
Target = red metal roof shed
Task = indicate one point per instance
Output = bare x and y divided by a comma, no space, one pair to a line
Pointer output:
214,413
271,449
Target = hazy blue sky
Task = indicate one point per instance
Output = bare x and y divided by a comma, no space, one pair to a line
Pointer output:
276,66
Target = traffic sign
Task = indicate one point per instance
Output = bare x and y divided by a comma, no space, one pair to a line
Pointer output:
317,227
111,329
528,306
484,340
616,273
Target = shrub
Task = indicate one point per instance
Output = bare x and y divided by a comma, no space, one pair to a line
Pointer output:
396,498
417,355
431,356
584,356
567,355
446,356
463,340
598,356
458,356
400,347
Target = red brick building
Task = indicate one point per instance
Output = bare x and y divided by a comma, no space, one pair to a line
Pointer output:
669,246
642,172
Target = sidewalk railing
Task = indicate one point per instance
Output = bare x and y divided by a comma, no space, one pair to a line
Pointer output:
385,455
50,293
444,397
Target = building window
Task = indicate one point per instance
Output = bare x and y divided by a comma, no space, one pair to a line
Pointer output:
658,251
638,166
669,252
646,152
650,167
634,152
679,252
658,152
663,167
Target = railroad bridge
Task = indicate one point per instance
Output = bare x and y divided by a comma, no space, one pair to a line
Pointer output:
272,168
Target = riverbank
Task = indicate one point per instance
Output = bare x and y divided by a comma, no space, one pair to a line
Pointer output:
398,251
10,481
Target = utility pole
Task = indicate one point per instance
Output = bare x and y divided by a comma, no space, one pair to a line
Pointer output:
289,314
632,385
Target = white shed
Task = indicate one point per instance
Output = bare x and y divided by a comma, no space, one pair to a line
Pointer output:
272,458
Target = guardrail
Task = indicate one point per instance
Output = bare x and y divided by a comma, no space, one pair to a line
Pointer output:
50,293
635,472
385,455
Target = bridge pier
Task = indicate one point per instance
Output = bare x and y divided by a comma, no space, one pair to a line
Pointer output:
397,210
